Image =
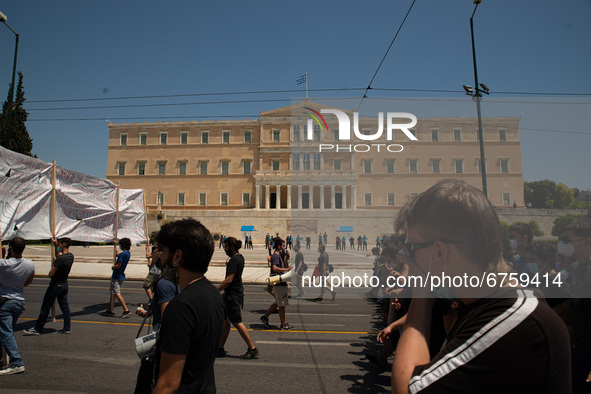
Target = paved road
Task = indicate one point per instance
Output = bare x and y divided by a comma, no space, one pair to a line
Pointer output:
323,354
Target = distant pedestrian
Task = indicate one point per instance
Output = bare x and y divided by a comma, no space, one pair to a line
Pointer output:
58,287
118,277
308,242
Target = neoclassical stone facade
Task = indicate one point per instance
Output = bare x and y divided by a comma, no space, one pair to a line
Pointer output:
269,164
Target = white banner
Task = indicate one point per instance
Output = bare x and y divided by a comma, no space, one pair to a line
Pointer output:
131,215
85,205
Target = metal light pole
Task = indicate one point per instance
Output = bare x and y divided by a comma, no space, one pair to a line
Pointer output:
477,94
11,94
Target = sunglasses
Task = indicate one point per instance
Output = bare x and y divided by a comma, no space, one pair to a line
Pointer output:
568,240
412,248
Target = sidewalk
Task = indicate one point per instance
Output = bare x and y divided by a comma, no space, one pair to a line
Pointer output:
95,262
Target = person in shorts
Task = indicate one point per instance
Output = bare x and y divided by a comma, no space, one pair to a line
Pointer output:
118,277
280,290
234,299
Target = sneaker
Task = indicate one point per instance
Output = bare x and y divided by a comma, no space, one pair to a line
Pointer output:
250,354
286,326
334,294
125,314
265,321
63,331
221,353
31,331
11,370
319,299
108,313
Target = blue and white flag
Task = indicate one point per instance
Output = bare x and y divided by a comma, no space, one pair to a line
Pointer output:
302,79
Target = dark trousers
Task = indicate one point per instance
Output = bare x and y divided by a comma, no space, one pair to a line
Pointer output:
59,292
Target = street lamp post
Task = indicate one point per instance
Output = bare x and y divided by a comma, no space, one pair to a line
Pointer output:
3,19
476,93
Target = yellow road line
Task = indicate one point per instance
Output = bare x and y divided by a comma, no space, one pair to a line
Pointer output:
250,329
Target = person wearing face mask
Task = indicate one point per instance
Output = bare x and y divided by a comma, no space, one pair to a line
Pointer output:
504,339
575,242
520,238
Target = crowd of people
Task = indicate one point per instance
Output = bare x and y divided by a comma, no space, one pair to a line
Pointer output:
528,333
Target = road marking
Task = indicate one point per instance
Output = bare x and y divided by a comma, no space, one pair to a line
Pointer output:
233,329
303,343
257,363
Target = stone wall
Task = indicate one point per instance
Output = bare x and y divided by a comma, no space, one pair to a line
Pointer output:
312,222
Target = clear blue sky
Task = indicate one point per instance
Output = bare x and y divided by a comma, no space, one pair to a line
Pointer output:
110,49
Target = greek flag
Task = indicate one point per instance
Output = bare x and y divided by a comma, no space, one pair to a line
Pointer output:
302,79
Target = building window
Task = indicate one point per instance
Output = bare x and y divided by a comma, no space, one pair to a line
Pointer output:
246,167
391,198
317,162
413,132
163,138
413,194
276,135
203,167
144,139
246,199
160,198
367,199
504,166
180,199
202,198
205,137
225,137
506,198
459,166
275,165
478,166
296,133
337,165
141,168
502,134
225,167
123,140
120,168
184,138
223,198
161,168
390,166
316,132
306,162
435,135
457,135
182,168
413,166
436,164
335,135
366,166
366,131
247,136
295,161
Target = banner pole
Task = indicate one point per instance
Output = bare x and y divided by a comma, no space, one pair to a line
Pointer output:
146,226
116,229
52,224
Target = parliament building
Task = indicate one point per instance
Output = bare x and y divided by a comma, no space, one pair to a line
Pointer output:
290,171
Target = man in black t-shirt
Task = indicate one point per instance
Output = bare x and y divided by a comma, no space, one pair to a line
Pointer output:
58,287
505,339
192,323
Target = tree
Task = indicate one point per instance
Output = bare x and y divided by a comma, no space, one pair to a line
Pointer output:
560,222
20,141
548,194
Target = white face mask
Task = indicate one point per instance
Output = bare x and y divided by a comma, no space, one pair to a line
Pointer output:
565,250
443,292
513,243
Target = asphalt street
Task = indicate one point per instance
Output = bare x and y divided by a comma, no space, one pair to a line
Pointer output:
324,353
